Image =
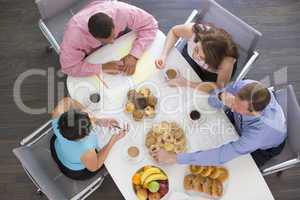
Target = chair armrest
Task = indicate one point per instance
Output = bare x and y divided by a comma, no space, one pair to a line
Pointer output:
37,134
248,66
281,166
189,20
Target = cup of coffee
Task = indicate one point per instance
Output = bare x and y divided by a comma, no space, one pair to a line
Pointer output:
171,73
95,98
195,115
133,152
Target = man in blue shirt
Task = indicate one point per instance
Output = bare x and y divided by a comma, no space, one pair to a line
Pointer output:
257,117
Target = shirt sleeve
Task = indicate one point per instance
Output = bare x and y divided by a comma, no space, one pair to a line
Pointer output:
72,56
213,99
146,27
247,143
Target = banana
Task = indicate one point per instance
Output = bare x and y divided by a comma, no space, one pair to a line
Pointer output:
154,177
148,172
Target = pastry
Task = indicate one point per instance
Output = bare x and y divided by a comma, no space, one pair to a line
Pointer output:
154,147
145,92
138,115
215,173
207,171
207,186
179,141
217,188
149,111
198,183
178,133
150,140
188,182
151,100
131,95
196,169
129,107
224,174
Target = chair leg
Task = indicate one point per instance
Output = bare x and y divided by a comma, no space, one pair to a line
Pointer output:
39,192
49,49
278,174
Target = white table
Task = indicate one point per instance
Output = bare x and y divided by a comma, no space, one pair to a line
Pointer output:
245,182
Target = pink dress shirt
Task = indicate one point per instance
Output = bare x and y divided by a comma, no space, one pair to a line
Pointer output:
78,42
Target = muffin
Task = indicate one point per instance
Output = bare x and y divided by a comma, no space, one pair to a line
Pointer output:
149,111
129,107
151,100
140,102
138,115
145,92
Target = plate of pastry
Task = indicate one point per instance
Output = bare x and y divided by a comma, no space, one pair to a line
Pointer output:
206,181
150,183
141,103
167,135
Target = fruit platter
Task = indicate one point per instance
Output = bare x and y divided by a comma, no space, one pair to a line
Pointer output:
150,183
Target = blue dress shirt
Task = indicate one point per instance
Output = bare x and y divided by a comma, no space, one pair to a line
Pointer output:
256,132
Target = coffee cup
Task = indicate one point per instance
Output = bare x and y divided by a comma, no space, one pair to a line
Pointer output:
171,73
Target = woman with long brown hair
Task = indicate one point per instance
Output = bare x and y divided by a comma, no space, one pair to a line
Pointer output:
209,50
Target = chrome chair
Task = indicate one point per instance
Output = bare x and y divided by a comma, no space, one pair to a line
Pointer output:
242,33
54,16
35,157
290,155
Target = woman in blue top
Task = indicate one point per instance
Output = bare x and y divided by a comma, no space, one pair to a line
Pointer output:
74,145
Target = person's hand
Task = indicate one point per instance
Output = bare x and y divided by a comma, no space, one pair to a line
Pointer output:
163,156
107,122
160,62
227,99
178,82
120,134
113,67
129,64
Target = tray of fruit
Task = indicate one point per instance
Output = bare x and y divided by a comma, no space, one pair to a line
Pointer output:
150,183
206,181
141,103
167,135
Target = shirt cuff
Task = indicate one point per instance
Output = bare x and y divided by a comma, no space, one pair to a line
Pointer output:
214,100
137,52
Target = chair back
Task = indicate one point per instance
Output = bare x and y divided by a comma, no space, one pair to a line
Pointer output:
38,163
288,101
50,8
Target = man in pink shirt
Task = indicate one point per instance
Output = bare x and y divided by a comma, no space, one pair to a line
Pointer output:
100,23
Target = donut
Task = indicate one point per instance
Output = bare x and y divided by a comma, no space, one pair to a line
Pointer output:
188,182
